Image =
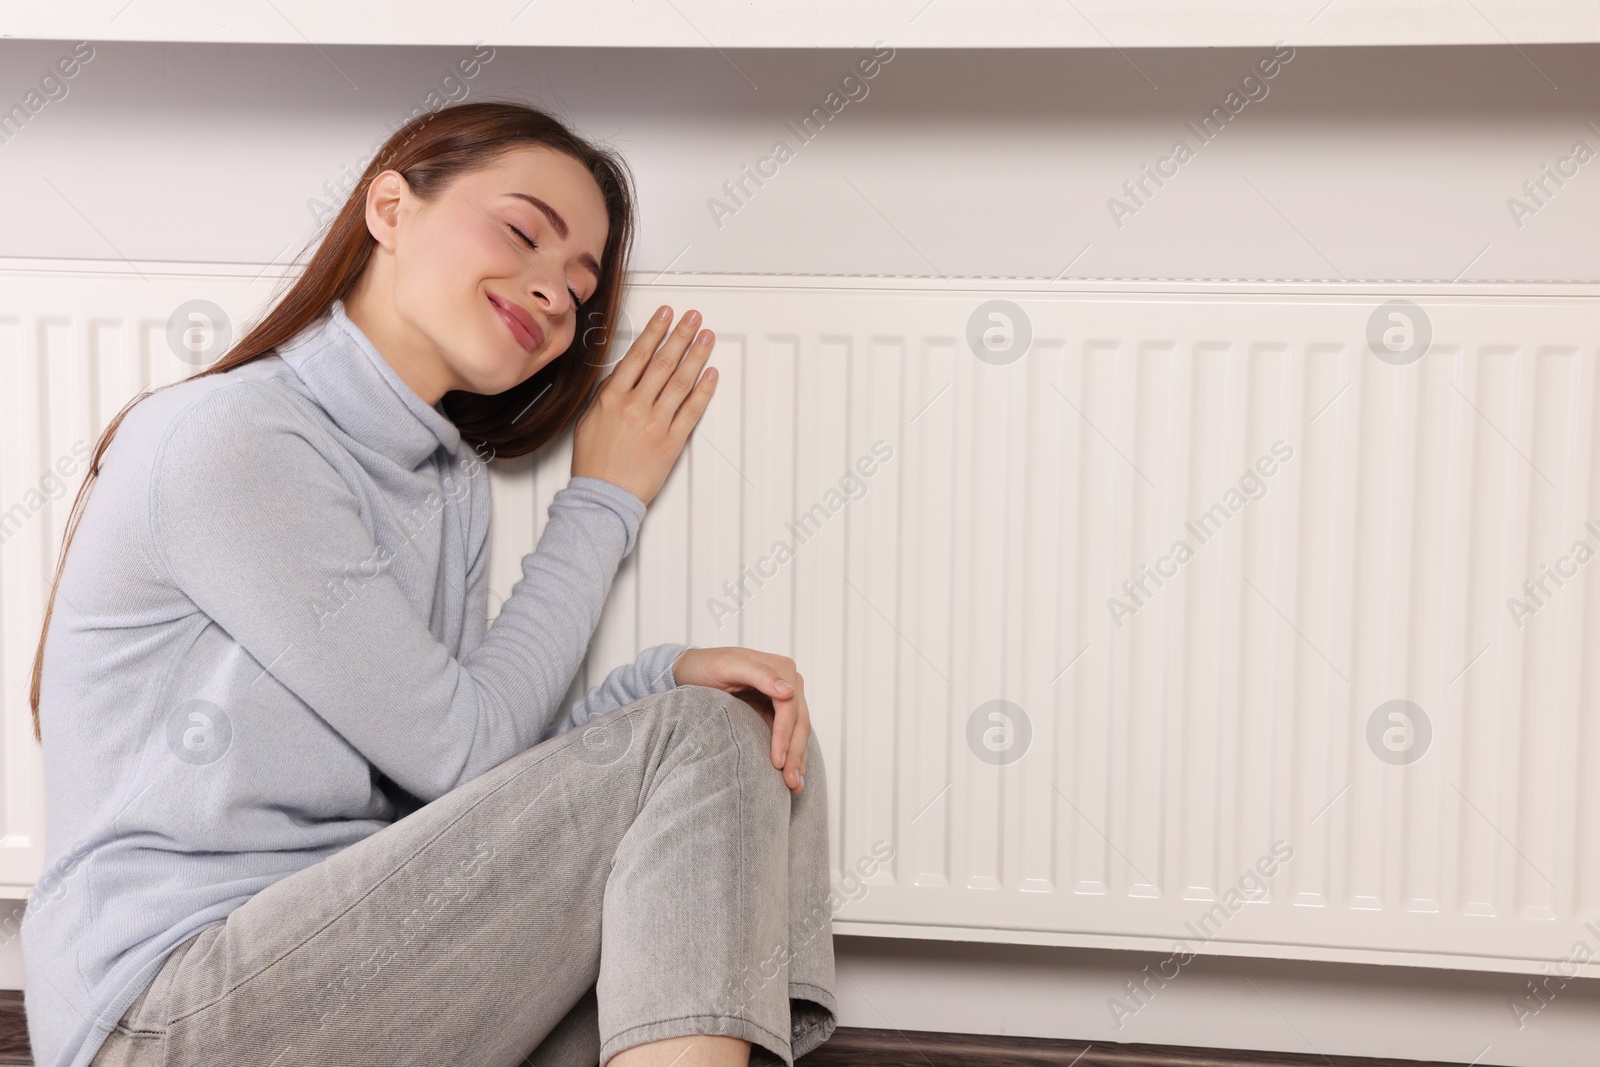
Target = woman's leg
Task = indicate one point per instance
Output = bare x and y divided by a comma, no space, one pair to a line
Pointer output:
575,1042
699,1050
743,947
470,932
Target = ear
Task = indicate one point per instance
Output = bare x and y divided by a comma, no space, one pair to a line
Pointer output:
386,195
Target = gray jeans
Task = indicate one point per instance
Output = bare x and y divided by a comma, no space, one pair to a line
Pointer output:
647,875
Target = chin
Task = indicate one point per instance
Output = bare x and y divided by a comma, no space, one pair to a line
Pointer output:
503,371
496,381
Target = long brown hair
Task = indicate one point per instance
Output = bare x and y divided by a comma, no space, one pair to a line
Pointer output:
431,151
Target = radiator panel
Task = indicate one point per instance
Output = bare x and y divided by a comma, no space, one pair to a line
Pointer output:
1230,705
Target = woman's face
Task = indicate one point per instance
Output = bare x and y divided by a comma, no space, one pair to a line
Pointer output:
492,271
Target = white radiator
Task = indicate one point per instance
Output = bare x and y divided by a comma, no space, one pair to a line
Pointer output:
980,504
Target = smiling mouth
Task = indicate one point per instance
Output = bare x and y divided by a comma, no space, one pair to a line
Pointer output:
523,329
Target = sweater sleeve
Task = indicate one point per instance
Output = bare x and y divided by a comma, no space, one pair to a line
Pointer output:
254,525
650,673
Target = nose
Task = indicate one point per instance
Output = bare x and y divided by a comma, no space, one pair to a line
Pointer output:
550,294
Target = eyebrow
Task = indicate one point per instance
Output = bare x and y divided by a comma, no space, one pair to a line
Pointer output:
559,224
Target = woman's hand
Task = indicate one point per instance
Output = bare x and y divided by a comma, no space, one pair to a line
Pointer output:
635,427
766,682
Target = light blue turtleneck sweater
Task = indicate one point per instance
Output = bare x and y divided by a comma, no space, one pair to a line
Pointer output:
269,642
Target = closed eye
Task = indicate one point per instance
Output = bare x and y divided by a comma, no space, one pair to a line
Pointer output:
576,299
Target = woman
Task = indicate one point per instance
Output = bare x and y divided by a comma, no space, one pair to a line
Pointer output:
304,806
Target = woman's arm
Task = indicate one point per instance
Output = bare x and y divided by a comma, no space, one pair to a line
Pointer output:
650,673
260,531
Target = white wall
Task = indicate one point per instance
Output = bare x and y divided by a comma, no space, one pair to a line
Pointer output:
1361,163
1369,163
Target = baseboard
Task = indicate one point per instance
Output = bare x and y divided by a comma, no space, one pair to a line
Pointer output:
856,1047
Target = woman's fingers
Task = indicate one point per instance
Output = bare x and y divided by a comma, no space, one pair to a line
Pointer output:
805,737
777,679
633,362
773,683
683,379
668,356
791,725
694,405
630,433
794,764
788,728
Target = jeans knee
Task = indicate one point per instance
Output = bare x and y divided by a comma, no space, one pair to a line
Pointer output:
749,730
746,723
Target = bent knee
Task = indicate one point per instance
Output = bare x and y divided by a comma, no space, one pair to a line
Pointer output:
745,727
703,701
747,720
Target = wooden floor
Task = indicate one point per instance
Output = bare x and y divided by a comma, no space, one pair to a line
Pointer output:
13,1028
853,1047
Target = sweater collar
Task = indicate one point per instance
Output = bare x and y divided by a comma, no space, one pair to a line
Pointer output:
358,389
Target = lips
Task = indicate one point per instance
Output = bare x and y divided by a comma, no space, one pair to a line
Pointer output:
519,322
